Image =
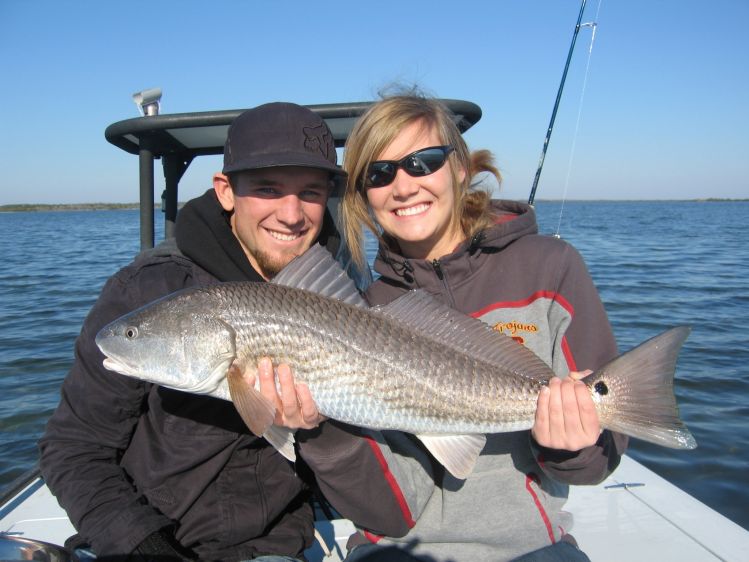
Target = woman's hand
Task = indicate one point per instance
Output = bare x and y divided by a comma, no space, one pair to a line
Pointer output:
295,407
566,417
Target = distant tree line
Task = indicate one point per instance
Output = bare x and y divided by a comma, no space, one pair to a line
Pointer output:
68,207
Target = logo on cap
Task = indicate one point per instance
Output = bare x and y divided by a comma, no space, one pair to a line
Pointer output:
318,138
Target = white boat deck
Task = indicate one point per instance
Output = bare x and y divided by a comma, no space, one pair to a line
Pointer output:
635,515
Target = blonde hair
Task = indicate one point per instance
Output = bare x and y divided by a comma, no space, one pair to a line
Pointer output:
374,132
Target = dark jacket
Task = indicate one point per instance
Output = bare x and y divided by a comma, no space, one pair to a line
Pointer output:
537,290
126,458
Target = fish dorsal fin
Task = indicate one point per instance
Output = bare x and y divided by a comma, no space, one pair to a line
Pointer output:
316,270
435,320
457,453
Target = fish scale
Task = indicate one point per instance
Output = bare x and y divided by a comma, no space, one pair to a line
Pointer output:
364,377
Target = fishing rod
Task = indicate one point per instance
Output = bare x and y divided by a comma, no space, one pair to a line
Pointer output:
532,196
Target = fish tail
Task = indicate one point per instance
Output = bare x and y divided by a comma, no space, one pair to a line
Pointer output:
634,393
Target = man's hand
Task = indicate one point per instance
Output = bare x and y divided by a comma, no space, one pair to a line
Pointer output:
295,407
566,417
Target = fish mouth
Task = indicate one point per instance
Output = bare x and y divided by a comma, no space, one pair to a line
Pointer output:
125,369
118,366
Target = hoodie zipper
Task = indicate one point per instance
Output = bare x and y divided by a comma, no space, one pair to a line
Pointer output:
445,285
438,269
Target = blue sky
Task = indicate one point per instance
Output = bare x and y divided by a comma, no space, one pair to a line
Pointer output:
664,112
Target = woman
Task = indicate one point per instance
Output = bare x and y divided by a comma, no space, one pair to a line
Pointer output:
409,183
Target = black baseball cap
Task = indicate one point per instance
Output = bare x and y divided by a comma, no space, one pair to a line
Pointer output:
281,134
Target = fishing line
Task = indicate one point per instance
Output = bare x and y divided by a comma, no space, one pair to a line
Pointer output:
686,531
593,25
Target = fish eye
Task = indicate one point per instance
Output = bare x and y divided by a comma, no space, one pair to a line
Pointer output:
131,332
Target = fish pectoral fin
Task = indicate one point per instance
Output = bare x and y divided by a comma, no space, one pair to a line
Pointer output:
255,409
457,453
258,413
282,439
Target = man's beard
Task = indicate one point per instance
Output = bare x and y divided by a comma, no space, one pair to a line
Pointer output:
271,264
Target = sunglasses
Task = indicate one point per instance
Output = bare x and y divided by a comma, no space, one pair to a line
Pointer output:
417,164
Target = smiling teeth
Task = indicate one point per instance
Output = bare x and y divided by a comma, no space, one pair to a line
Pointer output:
415,210
283,237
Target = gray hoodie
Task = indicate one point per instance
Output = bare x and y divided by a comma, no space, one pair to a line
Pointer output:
537,290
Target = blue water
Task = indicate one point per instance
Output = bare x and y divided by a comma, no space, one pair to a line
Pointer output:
656,265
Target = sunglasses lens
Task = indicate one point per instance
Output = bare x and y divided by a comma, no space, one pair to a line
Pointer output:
420,163
380,174
425,162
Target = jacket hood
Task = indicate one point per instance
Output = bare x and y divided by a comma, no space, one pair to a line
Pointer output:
513,220
204,235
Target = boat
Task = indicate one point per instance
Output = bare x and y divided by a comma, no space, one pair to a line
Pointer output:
634,514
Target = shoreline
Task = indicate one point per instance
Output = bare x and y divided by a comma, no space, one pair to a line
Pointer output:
42,207
36,207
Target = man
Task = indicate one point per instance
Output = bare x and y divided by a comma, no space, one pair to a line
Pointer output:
146,472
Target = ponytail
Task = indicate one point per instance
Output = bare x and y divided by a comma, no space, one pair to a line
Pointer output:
485,177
